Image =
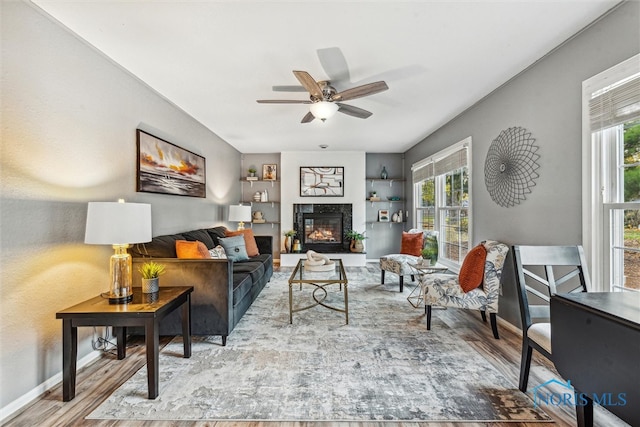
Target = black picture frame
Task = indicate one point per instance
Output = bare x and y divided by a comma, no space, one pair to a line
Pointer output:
321,181
165,168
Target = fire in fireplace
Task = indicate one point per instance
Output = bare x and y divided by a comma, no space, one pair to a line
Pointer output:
322,228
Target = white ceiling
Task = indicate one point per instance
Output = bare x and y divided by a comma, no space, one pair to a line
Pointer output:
214,59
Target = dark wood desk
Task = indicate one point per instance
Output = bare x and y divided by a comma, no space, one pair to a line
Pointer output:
145,310
595,342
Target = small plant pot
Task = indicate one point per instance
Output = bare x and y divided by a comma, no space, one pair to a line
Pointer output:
150,286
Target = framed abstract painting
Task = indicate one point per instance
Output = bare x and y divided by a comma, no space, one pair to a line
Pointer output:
166,168
324,181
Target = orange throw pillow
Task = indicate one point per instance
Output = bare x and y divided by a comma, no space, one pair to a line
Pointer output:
472,271
412,243
249,240
192,249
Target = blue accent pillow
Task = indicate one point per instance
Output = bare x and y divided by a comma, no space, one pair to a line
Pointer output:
235,248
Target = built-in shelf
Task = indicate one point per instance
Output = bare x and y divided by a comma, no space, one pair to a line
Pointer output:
388,180
253,202
273,182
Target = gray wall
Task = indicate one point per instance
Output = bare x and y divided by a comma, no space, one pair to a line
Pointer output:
69,117
546,100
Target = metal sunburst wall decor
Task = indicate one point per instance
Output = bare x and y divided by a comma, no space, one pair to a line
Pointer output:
510,167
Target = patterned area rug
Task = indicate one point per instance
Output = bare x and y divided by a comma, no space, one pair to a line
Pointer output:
384,365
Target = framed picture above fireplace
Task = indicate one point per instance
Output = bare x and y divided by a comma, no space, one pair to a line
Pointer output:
321,181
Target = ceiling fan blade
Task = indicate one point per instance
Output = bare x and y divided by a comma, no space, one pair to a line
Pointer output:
309,84
282,101
335,65
353,111
308,118
288,88
360,91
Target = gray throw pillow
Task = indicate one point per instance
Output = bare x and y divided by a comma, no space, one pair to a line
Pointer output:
235,248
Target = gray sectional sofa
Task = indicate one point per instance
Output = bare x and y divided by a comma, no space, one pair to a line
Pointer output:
223,290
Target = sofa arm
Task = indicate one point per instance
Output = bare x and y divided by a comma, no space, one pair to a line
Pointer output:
265,244
211,280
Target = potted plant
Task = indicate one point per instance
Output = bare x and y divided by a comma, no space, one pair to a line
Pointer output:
151,272
430,250
356,240
252,171
287,240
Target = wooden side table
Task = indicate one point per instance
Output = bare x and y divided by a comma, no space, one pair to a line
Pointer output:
145,310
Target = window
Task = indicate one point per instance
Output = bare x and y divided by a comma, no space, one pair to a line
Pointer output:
442,200
611,210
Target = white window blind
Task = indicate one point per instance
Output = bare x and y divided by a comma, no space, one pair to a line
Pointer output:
616,104
432,167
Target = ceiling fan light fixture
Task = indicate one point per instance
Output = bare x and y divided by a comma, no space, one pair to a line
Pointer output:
323,109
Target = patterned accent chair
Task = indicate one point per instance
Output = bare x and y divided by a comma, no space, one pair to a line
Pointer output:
443,290
399,263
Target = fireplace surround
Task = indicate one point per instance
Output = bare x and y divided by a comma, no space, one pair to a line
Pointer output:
323,227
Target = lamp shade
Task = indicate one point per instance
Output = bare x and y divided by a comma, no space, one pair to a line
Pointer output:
239,213
118,223
323,110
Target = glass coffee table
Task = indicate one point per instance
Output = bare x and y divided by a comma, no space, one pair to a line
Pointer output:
320,280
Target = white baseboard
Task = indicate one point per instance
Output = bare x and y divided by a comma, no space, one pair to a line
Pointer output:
10,410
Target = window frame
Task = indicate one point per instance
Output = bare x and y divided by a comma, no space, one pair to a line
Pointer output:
597,165
440,206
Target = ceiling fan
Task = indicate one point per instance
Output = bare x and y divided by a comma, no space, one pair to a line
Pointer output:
325,100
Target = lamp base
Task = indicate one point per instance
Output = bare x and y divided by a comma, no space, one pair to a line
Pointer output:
120,300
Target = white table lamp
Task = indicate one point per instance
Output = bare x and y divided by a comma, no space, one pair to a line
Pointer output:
118,224
239,214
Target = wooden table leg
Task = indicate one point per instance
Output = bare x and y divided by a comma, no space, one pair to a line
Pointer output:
152,338
69,359
121,339
186,326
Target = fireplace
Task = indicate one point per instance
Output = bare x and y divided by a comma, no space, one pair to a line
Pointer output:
322,227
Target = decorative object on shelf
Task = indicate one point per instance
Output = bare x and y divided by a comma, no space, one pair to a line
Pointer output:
240,214
399,216
257,217
296,246
118,224
269,172
321,181
252,172
510,166
168,169
264,196
384,174
383,215
393,198
373,195
288,237
257,196
394,217
151,272
356,240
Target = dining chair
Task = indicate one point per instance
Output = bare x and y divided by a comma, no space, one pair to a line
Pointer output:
542,271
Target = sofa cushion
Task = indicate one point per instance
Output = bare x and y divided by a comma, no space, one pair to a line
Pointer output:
191,250
159,247
254,268
235,248
249,240
242,284
201,236
217,233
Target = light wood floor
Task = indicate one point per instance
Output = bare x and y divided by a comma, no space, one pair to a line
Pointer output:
98,380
